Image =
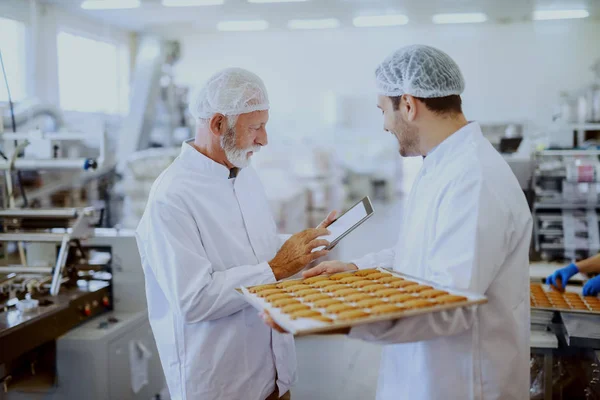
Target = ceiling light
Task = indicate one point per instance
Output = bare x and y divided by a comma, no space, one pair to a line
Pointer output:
459,18
109,4
233,26
543,15
327,23
274,1
191,3
380,20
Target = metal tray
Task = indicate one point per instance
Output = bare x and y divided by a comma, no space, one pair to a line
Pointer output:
307,326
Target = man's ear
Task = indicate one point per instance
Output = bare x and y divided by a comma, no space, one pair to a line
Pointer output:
218,124
410,108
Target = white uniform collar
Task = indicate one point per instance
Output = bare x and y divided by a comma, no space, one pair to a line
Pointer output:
199,162
450,146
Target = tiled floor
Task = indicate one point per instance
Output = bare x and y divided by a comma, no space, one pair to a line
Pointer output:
334,367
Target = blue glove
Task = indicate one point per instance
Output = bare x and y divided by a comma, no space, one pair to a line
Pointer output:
592,287
563,275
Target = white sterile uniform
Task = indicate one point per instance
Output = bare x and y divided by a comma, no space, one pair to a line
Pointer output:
466,226
203,235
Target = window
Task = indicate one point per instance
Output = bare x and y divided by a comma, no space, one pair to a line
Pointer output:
12,46
93,75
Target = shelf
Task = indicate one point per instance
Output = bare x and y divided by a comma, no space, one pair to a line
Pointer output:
565,206
550,232
569,153
591,126
552,246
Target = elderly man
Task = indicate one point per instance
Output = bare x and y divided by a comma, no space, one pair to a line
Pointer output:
466,226
207,229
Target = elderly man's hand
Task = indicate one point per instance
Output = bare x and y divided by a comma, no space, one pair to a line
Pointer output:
297,252
328,221
328,268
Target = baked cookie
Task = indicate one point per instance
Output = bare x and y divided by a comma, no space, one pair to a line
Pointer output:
378,275
385,309
338,308
432,293
341,275
294,307
284,284
316,279
365,272
259,288
305,314
402,284
268,292
317,296
284,302
373,288
361,283
419,303
389,279
450,298
326,303
400,298
357,297
417,288
296,288
333,288
306,292
385,292
277,296
345,292
322,318
322,284
351,315
368,303
351,279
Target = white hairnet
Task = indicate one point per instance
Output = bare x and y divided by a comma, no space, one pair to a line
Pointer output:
420,71
231,91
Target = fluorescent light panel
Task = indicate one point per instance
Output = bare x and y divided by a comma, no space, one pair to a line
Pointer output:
327,23
109,4
191,3
544,15
274,1
237,26
380,20
459,18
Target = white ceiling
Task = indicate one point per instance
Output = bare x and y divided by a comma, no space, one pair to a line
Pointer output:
153,17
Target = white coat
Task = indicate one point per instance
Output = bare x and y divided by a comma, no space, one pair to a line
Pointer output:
467,226
203,235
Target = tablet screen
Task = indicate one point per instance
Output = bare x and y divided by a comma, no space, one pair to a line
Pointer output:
348,220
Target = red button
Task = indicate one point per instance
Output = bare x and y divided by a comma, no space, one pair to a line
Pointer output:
106,301
87,310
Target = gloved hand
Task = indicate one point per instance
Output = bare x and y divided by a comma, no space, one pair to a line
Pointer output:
592,287
560,277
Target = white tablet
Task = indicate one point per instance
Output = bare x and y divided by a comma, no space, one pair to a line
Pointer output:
348,221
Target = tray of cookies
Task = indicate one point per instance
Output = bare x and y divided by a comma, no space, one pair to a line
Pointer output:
546,297
324,303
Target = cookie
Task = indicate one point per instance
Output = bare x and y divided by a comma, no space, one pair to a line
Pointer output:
277,296
361,283
333,288
419,303
338,308
341,275
389,279
357,297
296,288
368,303
306,292
322,284
378,275
450,298
365,272
265,293
400,298
284,284
294,307
373,288
322,318
316,279
417,288
259,288
432,293
305,314
385,309
385,292
351,279
317,296
402,284
345,292
351,314
284,302
326,303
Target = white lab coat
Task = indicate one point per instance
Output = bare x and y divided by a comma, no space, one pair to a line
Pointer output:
203,235
466,226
